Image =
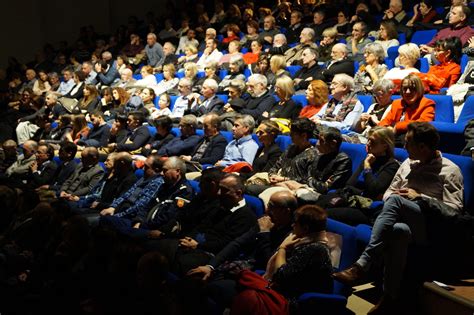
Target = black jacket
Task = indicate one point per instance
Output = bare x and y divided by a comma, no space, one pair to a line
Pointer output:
289,110
214,150
44,175
265,159
139,137
341,66
215,105
63,172
315,72
114,187
337,166
101,134
255,106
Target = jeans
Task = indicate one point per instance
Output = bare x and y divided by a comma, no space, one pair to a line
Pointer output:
400,223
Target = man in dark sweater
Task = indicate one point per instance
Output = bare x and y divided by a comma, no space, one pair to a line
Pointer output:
99,134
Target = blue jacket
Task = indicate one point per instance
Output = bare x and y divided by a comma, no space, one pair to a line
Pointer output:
180,146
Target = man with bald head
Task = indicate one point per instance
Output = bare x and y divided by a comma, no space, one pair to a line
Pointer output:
85,177
21,168
260,242
340,63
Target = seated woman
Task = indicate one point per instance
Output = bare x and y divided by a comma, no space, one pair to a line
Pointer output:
162,137
372,69
344,109
41,85
80,129
408,55
190,72
234,52
235,89
164,107
295,161
317,95
302,263
444,74
325,46
269,152
263,66
286,108
107,99
236,71
370,180
148,78
383,90
169,82
424,13
77,91
255,50
232,31
388,36
413,106
277,68
90,102
122,63
148,96
252,34
120,100
210,71
190,55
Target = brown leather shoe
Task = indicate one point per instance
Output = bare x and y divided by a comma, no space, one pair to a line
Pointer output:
349,275
386,306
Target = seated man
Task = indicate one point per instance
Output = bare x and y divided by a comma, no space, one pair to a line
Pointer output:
163,135
210,148
293,55
339,63
243,148
310,70
21,167
99,135
269,30
126,79
106,73
8,155
295,27
344,109
280,45
68,83
173,194
140,196
330,170
211,53
85,177
426,192
184,144
260,100
206,102
118,178
137,137
183,102
357,42
227,222
260,242
43,169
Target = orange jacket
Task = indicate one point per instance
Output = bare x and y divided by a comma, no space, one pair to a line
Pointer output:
309,111
425,111
440,76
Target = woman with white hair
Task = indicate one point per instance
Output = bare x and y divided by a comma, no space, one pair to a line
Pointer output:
372,69
408,55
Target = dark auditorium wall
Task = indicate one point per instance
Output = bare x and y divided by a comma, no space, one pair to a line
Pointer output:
26,25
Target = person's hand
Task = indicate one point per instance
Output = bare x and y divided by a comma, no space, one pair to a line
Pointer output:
204,271
34,166
42,187
426,49
154,234
291,185
276,179
112,146
188,242
63,194
415,9
185,157
289,241
74,198
374,119
94,204
229,109
408,193
354,18
364,117
369,159
315,119
265,224
389,14
265,114
471,42
136,225
98,68
207,51
107,211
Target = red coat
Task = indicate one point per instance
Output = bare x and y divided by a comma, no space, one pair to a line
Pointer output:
309,111
440,76
425,111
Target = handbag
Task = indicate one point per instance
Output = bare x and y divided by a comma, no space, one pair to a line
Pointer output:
257,297
69,104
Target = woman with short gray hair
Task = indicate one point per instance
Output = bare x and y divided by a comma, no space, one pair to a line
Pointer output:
372,69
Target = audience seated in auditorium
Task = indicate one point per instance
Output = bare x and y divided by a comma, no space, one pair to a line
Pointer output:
138,135
285,108
183,102
236,71
154,51
317,95
310,70
358,40
186,142
211,53
339,63
293,55
371,70
425,183
207,101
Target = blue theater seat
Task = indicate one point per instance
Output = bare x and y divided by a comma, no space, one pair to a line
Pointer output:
423,37
444,110
293,69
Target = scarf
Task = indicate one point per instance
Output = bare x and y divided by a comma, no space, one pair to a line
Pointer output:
348,104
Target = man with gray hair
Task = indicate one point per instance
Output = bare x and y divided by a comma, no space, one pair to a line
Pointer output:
126,79
280,45
243,148
91,75
184,101
21,167
67,84
186,142
154,51
293,55
207,101
340,63
260,100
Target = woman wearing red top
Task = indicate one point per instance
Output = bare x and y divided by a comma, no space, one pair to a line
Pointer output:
317,95
424,12
413,106
448,52
232,34
252,57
